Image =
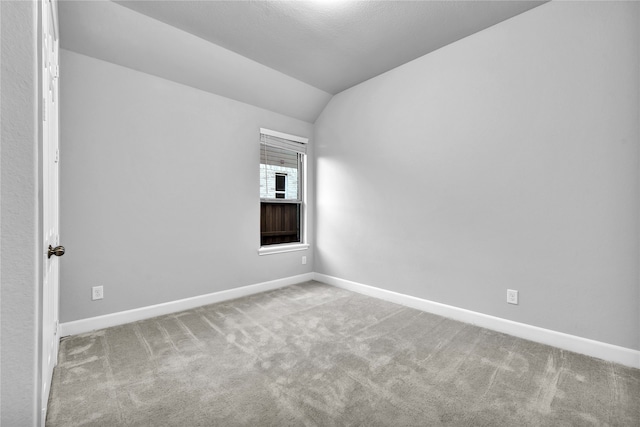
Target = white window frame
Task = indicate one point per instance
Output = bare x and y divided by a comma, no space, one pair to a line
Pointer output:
295,246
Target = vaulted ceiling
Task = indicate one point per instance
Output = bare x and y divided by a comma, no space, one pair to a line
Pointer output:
287,56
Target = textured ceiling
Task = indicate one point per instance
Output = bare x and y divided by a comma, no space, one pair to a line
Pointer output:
331,45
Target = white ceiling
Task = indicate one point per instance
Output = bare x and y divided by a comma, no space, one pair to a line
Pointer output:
286,56
331,45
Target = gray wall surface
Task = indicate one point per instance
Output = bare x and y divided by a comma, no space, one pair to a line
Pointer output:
176,55
20,238
508,159
159,190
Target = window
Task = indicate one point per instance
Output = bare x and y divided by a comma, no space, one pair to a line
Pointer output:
281,185
282,160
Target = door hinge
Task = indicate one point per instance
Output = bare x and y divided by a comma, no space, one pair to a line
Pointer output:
57,155
55,328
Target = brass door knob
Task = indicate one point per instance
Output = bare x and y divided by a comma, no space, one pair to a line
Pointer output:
57,251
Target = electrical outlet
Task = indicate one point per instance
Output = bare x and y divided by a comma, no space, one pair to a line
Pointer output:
97,292
512,296
304,259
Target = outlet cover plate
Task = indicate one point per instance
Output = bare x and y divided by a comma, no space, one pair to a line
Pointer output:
512,296
97,292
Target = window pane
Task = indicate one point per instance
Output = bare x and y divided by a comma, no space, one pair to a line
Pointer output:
281,182
279,223
281,208
278,169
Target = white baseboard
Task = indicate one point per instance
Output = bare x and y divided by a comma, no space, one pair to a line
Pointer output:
622,355
122,317
609,352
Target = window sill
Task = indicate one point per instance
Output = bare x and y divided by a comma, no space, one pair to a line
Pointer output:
278,249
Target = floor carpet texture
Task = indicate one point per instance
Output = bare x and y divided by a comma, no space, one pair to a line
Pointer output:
315,355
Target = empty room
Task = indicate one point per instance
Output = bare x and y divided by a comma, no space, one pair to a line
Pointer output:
320,213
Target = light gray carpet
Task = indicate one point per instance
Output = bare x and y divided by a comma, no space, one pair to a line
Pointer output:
314,355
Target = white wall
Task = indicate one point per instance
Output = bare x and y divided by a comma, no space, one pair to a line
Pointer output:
159,190
508,159
20,244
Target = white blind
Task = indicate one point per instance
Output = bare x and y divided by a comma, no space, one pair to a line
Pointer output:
283,141
274,156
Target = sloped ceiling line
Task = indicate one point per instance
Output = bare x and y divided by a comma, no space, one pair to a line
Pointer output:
286,56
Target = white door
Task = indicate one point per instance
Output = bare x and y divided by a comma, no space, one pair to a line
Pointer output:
50,222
